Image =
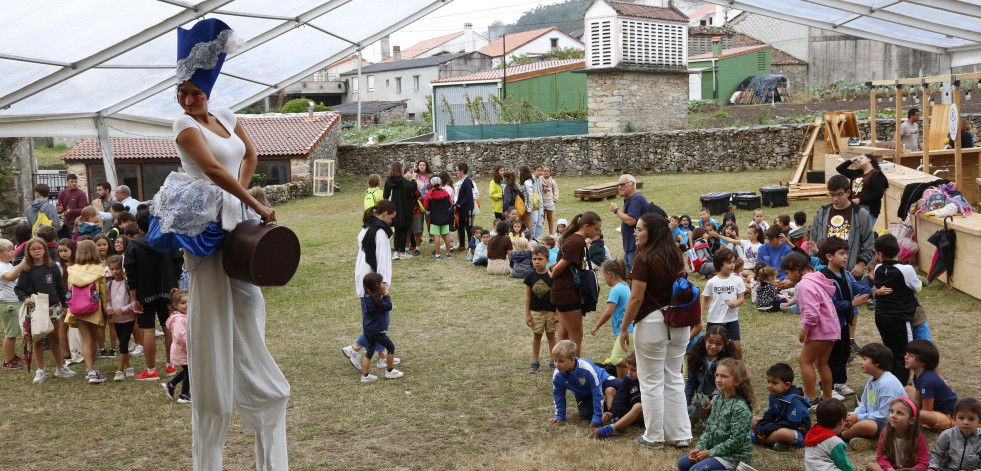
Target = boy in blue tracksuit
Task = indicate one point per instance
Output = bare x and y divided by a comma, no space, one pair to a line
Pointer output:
786,422
590,384
849,294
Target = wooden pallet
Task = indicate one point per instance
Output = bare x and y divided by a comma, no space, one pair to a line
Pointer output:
601,192
808,191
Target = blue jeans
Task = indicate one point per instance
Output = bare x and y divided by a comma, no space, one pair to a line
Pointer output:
537,216
708,464
873,218
628,259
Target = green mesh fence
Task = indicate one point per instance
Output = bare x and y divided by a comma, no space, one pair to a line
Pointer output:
516,131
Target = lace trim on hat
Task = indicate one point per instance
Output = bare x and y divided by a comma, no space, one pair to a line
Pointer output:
204,55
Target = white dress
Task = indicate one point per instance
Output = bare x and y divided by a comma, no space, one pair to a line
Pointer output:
228,362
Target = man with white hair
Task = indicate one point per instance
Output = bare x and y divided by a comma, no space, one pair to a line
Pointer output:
124,196
634,206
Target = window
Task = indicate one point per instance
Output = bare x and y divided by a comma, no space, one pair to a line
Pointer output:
555,42
398,84
703,23
143,179
276,172
710,21
371,83
412,116
415,83
355,82
386,83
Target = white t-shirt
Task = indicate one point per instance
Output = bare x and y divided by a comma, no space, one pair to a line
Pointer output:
722,289
7,293
911,135
750,249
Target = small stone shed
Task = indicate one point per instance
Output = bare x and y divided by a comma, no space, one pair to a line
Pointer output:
286,146
372,112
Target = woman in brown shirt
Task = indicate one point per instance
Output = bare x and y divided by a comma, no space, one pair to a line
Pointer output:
565,293
659,348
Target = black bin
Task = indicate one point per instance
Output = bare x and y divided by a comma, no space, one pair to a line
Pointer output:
746,200
717,203
774,196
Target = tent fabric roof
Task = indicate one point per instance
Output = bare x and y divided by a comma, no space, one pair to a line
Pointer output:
271,136
498,74
731,52
406,64
516,40
119,62
938,26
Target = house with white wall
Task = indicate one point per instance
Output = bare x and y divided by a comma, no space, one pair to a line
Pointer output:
410,80
467,40
539,42
621,33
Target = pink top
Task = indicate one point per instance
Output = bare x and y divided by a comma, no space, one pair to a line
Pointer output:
119,299
177,323
818,315
922,456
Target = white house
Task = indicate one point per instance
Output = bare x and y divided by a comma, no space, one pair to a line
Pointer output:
537,42
629,34
461,41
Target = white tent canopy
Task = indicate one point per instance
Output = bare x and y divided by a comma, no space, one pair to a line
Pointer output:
67,64
946,27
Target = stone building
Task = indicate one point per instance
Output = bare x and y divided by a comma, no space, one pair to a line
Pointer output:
372,112
636,67
286,145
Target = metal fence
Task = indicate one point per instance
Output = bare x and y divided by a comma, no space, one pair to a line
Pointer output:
56,180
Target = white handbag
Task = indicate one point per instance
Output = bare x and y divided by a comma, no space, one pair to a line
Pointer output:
41,324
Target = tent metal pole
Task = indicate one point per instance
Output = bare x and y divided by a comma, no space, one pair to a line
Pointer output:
359,88
105,145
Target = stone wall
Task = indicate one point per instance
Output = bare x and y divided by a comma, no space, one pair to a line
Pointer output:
703,150
278,194
302,169
646,100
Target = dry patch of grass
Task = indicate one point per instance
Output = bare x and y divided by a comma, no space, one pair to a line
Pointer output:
466,400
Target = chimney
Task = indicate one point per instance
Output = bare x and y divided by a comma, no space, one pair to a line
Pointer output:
468,39
396,53
386,49
717,46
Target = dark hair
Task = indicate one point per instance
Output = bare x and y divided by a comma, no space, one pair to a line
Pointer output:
698,232
729,216
616,267
42,189
100,236
48,233
71,245
781,371
381,207
125,216
508,177
463,167
46,258
143,221
839,182
925,351
131,231
660,247
444,178
795,261
588,218
721,256
830,413
784,219
773,232
118,207
497,173
370,283
105,186
429,168
71,176
524,173
396,169
733,225
22,232
142,207
484,232
540,250
912,111
887,245
880,355
969,405
800,217
874,163
699,351
760,237
684,217
738,369
114,259
503,228
830,246
121,238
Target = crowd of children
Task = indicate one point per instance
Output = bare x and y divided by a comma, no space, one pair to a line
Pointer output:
91,285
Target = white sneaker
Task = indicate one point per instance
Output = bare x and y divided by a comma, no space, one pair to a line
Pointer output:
843,389
369,378
119,376
835,395
382,363
40,376
157,333
95,377
405,256
355,359
394,374
64,372
396,255
130,373
136,351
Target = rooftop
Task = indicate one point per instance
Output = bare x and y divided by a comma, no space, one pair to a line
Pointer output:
367,107
423,46
518,72
271,135
516,40
702,12
731,52
648,12
407,64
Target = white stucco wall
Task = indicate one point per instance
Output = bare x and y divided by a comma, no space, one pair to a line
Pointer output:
388,92
543,45
789,37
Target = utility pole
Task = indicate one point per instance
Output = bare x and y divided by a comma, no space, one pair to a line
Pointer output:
504,58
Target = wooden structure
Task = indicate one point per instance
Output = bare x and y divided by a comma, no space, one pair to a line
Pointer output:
601,192
323,177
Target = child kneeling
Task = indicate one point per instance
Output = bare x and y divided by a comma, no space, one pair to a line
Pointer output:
590,384
787,420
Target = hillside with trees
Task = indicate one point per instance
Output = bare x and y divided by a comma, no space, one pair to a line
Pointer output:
566,16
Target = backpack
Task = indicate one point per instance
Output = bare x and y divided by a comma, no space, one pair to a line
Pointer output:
369,197
684,309
83,300
519,204
653,208
692,259
41,221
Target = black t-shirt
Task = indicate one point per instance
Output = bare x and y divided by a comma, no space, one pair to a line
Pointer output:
840,222
541,288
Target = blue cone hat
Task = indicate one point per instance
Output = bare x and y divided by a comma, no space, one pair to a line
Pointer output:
201,52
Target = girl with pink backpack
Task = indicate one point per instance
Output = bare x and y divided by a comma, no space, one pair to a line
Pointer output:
86,303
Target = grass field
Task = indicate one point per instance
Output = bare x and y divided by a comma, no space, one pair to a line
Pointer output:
466,401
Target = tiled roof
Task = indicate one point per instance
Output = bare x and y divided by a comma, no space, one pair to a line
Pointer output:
646,11
367,107
731,52
702,11
497,74
335,64
423,46
406,64
516,40
271,136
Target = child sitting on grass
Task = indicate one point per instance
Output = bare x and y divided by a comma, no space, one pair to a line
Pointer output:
480,251
499,250
725,443
727,293
901,445
626,403
539,312
767,298
959,448
865,423
553,251
521,259
933,395
825,450
474,240
702,261
705,217
783,222
773,252
787,420
680,234
615,275
700,388
590,384
759,221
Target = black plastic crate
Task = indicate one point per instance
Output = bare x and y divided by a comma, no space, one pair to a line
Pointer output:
746,200
774,196
717,203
